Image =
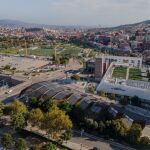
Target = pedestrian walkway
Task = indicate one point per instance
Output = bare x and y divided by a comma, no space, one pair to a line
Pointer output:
76,146
69,144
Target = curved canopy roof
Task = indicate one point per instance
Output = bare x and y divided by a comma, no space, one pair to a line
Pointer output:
49,90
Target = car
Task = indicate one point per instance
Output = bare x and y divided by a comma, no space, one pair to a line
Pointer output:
8,92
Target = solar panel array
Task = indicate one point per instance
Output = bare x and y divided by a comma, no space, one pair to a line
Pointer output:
63,95
87,102
49,90
96,107
113,111
138,84
74,98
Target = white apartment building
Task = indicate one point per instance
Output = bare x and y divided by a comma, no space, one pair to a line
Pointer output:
132,61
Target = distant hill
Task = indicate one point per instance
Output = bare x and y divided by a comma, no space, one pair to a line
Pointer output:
144,23
10,23
7,22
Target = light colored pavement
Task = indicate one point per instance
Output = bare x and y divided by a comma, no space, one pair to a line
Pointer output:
43,77
89,141
22,63
86,142
73,64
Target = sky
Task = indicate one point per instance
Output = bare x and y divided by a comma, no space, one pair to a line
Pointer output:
76,12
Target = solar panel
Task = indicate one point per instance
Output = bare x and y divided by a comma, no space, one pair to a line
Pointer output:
62,95
73,99
85,103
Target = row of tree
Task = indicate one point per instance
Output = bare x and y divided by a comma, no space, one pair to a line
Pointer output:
102,123
117,128
53,121
134,100
8,142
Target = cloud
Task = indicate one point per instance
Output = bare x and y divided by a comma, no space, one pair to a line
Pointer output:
105,12
77,12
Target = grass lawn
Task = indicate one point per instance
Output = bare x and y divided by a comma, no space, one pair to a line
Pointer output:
135,74
9,51
120,72
40,52
65,50
70,50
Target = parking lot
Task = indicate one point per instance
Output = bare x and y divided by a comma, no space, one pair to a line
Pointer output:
22,63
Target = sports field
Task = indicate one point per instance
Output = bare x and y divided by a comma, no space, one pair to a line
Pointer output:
62,49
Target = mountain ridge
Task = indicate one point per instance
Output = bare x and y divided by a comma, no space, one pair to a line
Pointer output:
9,22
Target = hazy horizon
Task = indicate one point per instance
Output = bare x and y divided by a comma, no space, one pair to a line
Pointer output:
76,12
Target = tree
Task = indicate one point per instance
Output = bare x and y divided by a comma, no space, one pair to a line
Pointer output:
101,127
95,125
20,144
112,96
40,103
7,141
67,135
75,77
135,101
18,114
48,104
108,124
101,93
33,102
120,128
57,60
145,143
91,89
49,146
35,117
64,60
96,148
35,147
55,121
7,110
92,53
18,121
89,122
135,133
2,106
18,107
65,106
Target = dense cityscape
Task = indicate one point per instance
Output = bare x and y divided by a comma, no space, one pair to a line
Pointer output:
71,87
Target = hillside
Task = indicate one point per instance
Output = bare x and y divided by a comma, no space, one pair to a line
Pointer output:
144,23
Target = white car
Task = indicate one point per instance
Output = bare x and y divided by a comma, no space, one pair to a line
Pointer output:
8,92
